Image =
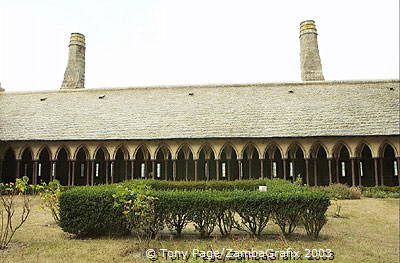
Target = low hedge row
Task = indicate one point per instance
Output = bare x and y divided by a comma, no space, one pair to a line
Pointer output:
91,210
252,184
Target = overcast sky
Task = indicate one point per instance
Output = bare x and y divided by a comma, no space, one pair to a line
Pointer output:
172,42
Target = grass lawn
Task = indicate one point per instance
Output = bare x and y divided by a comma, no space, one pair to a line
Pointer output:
368,232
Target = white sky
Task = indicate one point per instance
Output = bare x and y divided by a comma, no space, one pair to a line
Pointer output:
171,42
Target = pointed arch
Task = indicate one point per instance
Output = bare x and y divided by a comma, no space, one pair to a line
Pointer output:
143,149
81,166
9,167
105,152
27,164
206,163
293,148
315,148
251,162
271,149
122,147
383,146
65,148
184,163
141,164
365,167
63,168
250,145
361,147
389,166
229,169
84,149
44,165
165,150
206,148
338,148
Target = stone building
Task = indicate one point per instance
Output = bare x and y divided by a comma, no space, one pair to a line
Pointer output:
324,131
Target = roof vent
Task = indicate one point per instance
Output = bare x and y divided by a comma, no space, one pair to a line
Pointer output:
290,91
391,88
102,96
43,99
190,93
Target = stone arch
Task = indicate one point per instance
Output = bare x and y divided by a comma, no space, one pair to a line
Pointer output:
81,166
66,149
389,166
365,167
27,164
274,161
338,147
123,149
206,163
44,165
296,160
184,163
141,164
63,169
162,169
84,148
383,146
251,162
105,151
100,166
229,169
9,167
360,147
320,167
315,147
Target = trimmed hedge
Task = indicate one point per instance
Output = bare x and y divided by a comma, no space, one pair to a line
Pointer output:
91,211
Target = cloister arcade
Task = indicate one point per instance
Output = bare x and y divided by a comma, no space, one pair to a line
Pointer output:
323,161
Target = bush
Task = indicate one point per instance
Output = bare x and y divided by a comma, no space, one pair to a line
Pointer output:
90,211
106,210
380,194
341,191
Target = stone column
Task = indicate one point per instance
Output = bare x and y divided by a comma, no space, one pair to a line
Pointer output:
381,174
69,172
398,169
376,171
195,169
229,169
186,169
18,170
112,170
107,163
1,170
272,168
174,170
126,169
132,169
93,162
353,173
153,168
53,170
249,162
217,166
315,172
307,172
262,168
166,169
337,171
330,170
34,175
359,172
240,169
87,172
73,173
284,168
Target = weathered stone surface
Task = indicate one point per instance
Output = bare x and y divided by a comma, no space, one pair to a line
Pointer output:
74,76
310,62
321,108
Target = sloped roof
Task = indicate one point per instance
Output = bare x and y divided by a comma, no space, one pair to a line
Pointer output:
328,108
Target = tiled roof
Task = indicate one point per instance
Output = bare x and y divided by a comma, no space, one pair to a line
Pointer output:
330,108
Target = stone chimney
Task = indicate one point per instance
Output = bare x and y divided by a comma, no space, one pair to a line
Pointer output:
74,76
311,69
1,89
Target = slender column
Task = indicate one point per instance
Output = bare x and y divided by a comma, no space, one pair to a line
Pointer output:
315,172
126,170
262,168
166,169
35,166
52,170
87,172
93,162
337,171
195,169
284,168
132,169
249,162
271,168
381,171
330,170
73,173
307,172
376,171
174,169
18,170
186,169
359,172
353,173
240,169
69,172
207,170
229,169
217,166
107,164
398,170
153,168
112,170
1,170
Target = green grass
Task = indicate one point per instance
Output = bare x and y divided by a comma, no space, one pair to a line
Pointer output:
367,232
